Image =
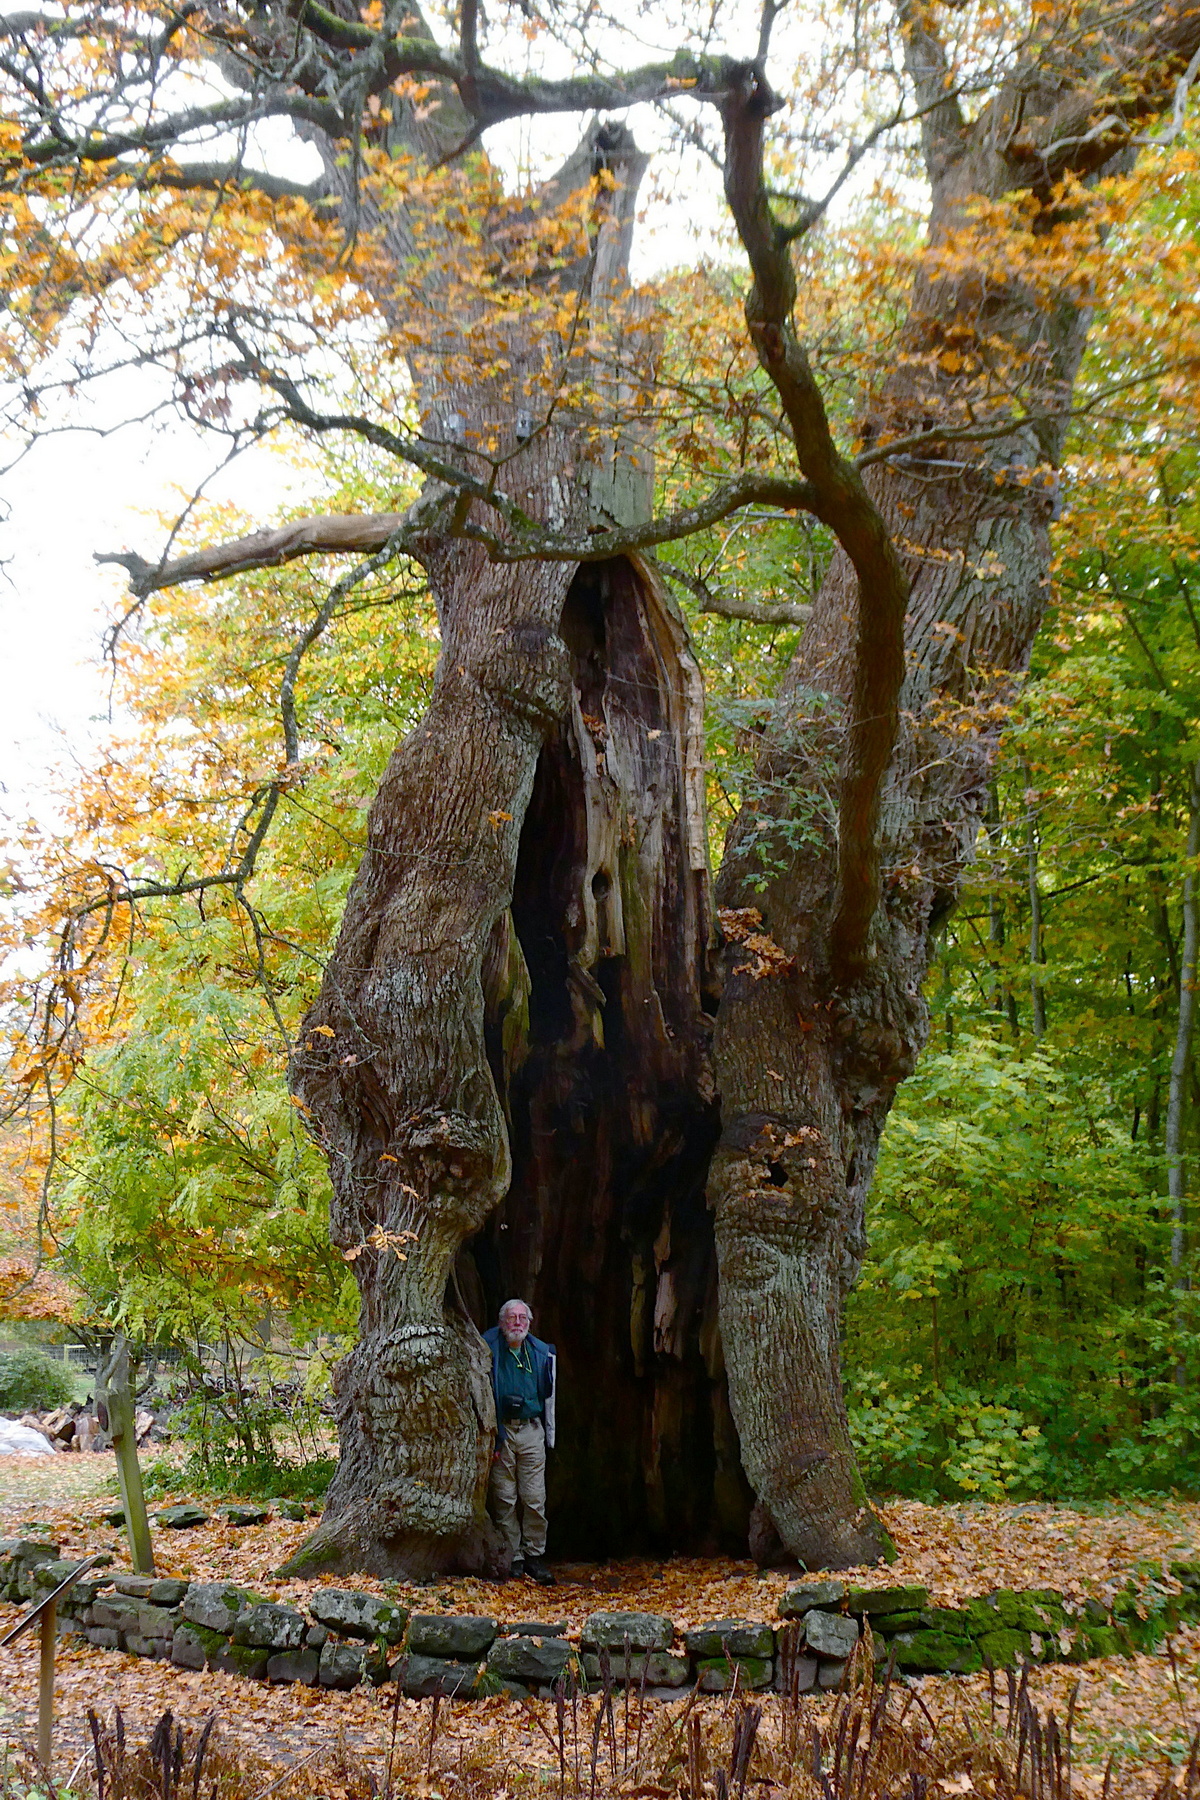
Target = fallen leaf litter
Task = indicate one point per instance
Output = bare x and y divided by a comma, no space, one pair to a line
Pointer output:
1130,1705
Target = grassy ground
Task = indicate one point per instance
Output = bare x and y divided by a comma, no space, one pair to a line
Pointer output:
1138,1707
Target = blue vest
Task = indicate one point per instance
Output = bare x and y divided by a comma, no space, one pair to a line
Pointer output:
544,1358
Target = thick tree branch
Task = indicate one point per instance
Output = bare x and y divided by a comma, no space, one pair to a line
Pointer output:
60,146
217,177
334,532
409,533
841,501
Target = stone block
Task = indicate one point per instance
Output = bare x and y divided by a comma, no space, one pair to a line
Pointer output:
830,1634
136,1586
529,1659
452,1637
805,1671
137,1645
642,1631
157,1621
116,1611
188,1649
215,1604
242,1659
421,1677
167,1591
934,1653
888,1624
810,1594
295,1665
342,1665
535,1628
182,1518
829,1675
735,1637
658,1668
103,1636
316,1637
354,1614
244,1515
715,1674
270,1627
886,1600
85,1592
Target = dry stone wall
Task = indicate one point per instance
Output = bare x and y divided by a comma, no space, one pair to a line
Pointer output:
347,1636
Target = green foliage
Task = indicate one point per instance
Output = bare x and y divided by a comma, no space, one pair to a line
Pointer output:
31,1382
1014,1332
932,1442
189,1201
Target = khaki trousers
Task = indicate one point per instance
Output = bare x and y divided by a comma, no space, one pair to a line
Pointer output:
519,1477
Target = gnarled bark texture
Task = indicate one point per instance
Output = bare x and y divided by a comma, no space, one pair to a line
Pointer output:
809,1056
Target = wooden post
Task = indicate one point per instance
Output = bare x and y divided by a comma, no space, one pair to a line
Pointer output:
114,1410
48,1626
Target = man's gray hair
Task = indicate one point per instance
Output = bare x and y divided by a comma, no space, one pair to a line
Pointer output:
509,1304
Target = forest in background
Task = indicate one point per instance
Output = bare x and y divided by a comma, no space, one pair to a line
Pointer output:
1026,1322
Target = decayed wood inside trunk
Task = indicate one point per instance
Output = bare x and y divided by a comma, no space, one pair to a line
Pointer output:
599,1017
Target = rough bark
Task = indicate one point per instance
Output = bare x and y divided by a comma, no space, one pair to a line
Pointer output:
810,1052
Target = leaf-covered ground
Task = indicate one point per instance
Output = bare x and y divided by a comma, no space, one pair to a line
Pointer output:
1137,1707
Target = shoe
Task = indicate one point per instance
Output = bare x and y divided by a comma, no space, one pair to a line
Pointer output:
518,1568
537,1571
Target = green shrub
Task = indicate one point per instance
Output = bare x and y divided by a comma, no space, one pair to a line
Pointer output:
942,1443
30,1382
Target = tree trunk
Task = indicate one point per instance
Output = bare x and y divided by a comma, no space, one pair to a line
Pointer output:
808,1062
518,1011
1181,1058
1037,993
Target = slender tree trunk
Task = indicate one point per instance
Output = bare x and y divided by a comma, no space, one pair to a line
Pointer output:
1182,1054
1037,993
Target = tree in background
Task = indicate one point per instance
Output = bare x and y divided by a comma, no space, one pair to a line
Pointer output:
1027,1318
513,1031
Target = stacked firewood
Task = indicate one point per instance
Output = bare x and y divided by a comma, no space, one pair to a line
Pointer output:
75,1427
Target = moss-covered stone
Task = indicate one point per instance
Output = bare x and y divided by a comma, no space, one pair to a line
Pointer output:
248,1660
935,1653
1007,1649
1097,1640
890,1623
715,1674
886,1600
950,1619
1037,1609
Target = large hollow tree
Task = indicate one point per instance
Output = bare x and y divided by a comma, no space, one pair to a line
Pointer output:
530,1067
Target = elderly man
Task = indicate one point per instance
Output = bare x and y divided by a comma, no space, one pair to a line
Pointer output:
523,1384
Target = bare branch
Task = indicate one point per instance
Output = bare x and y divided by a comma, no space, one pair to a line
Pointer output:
409,533
216,177
334,532
756,612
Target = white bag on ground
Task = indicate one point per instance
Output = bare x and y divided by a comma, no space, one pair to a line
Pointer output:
22,1440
